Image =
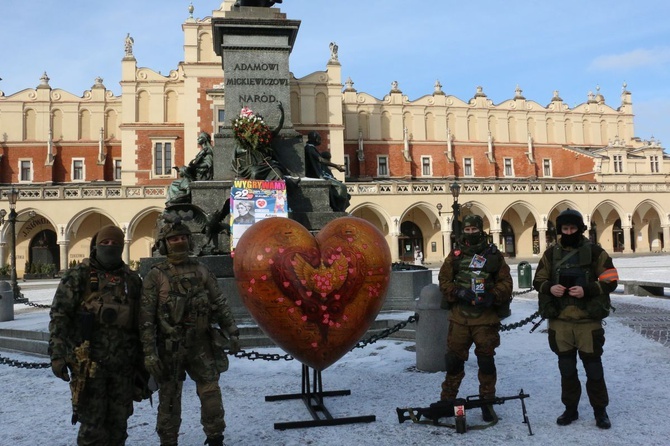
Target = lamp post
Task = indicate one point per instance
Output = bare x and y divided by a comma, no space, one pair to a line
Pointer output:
12,197
455,189
439,213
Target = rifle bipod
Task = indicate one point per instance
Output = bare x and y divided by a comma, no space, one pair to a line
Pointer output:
457,408
312,395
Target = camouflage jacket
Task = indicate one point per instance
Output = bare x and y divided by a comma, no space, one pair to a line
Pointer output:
102,306
499,284
180,300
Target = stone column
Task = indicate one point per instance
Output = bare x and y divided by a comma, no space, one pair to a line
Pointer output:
63,245
126,251
666,238
543,240
627,246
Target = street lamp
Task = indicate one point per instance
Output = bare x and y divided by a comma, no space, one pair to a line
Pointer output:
455,189
12,197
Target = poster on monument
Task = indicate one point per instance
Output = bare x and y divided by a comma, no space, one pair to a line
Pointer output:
255,200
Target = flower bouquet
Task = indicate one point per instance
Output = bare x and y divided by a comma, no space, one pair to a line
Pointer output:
251,132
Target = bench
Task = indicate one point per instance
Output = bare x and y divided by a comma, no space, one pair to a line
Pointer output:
644,288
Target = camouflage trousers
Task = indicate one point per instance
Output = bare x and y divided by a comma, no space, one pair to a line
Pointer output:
201,366
587,338
104,409
459,340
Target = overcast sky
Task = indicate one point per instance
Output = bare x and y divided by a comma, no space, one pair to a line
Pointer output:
571,46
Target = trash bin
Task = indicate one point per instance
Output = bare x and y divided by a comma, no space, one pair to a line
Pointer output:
525,275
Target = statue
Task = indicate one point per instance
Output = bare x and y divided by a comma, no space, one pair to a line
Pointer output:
203,163
333,52
257,3
254,158
317,165
129,45
201,168
211,224
180,191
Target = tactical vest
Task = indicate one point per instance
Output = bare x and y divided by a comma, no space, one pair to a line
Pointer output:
107,299
575,268
478,279
186,305
572,268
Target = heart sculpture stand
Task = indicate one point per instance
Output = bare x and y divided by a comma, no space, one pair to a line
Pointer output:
314,296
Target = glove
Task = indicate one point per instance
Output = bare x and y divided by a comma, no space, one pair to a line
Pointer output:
154,366
234,345
59,369
234,342
484,300
466,295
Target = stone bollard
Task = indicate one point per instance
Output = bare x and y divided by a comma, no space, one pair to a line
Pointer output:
431,330
6,302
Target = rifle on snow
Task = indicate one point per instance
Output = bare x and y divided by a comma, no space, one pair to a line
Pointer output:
456,408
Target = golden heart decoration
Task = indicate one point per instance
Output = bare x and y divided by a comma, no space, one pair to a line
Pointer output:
314,296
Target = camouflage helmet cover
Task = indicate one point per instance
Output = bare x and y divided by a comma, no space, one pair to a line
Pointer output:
474,220
172,229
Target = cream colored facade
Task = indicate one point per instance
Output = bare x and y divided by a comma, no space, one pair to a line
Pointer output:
586,158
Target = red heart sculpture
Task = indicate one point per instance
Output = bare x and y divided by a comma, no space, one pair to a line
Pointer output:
314,297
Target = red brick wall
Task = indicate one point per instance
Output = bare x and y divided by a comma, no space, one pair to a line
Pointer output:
565,162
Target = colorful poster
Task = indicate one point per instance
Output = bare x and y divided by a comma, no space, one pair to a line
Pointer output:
255,200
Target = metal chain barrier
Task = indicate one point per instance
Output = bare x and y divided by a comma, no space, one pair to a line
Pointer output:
254,355
522,322
23,364
32,304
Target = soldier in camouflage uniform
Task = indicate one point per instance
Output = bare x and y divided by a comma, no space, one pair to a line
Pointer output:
476,287
94,335
574,279
180,303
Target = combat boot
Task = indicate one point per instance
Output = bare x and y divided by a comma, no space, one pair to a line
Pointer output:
215,441
488,414
602,420
571,414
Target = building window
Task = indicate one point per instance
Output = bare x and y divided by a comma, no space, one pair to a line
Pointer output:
162,158
618,163
117,170
509,167
346,166
78,173
468,171
546,167
654,163
26,170
382,166
426,166
220,119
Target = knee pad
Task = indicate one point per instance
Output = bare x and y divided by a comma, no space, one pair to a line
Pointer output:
567,365
455,365
487,365
593,367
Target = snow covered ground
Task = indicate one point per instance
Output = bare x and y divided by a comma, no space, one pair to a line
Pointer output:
35,406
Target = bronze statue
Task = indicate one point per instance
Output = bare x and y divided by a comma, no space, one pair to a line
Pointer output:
257,3
254,159
201,168
318,164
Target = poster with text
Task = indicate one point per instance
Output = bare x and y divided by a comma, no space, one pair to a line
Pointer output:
255,200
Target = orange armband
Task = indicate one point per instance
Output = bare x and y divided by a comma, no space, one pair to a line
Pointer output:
609,275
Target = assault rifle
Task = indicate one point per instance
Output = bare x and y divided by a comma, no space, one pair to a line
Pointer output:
446,408
84,367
